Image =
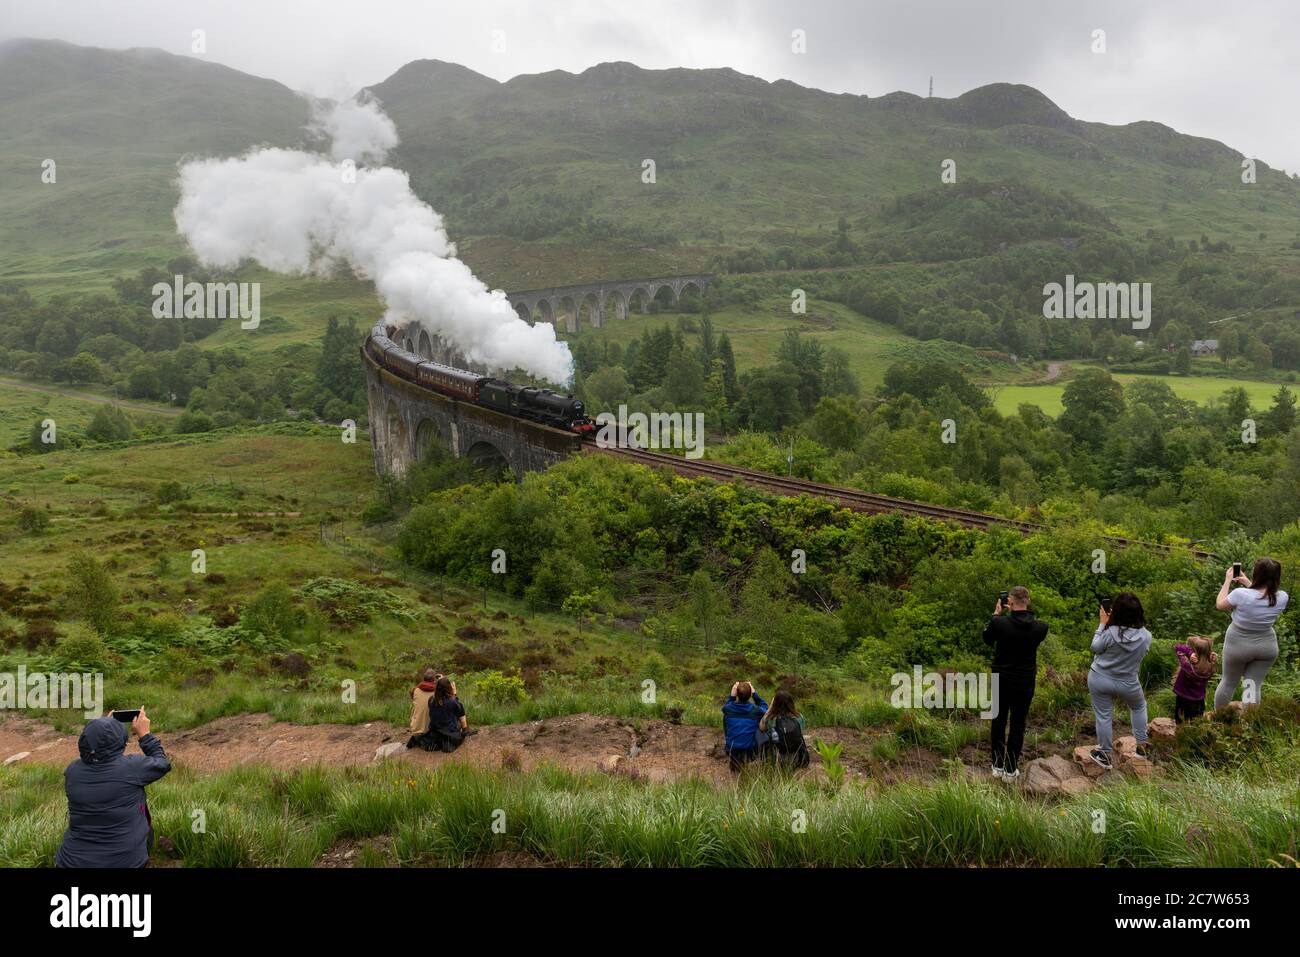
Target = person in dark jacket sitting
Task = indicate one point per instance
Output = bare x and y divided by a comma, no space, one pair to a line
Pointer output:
448,725
108,814
1015,635
740,717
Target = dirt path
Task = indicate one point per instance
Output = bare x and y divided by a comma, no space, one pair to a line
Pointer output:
659,751
150,408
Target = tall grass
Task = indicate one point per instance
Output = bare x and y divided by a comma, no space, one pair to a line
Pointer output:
259,817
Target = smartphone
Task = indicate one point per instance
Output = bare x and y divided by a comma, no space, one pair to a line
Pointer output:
126,717
1105,603
1236,569
1003,596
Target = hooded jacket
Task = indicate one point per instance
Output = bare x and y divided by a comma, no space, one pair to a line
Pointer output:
1015,638
740,722
108,816
1118,652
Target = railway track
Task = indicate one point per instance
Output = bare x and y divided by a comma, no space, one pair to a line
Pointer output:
854,499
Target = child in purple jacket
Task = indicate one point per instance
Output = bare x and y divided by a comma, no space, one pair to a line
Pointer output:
1196,661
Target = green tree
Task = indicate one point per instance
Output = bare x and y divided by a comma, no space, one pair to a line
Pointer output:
1281,418
92,593
109,424
1091,403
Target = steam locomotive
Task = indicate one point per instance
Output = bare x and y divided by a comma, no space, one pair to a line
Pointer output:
524,402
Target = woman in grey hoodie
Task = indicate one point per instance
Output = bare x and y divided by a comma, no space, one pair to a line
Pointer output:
1118,647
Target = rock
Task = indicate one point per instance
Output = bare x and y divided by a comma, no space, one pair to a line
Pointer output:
390,749
1052,775
1139,767
15,758
46,745
1083,758
1126,746
611,763
633,751
1162,728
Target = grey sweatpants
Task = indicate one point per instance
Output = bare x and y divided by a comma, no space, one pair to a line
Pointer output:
1104,691
1245,656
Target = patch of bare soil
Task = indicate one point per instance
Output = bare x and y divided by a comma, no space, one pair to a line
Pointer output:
656,751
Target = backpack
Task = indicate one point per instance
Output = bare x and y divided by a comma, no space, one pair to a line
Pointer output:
786,744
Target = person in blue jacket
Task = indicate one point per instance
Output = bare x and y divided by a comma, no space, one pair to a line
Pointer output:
108,815
740,717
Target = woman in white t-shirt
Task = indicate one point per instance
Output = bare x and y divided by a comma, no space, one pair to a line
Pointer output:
1250,643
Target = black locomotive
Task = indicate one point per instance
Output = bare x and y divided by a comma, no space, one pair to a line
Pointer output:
524,402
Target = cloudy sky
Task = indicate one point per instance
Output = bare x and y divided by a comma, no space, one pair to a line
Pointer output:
1230,71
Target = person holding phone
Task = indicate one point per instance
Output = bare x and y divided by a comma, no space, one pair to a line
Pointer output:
108,813
1119,644
1015,635
1250,643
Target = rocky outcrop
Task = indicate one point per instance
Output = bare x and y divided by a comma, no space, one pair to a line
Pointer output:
1054,775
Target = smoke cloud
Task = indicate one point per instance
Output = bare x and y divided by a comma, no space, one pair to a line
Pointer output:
305,213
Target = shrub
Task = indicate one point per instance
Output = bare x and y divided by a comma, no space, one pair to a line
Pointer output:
83,651
504,689
272,614
92,593
33,520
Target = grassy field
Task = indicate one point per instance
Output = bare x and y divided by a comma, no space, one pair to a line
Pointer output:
756,334
24,403
394,815
1008,398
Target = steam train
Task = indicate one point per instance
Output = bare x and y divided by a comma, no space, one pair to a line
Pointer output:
524,402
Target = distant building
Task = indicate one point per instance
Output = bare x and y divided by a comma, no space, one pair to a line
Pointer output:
1205,347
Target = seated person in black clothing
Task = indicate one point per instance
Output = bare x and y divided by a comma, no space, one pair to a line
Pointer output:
447,724
1015,635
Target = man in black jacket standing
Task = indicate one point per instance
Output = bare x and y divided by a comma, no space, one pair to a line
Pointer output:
1015,635
108,814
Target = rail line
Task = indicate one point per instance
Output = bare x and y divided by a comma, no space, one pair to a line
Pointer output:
854,499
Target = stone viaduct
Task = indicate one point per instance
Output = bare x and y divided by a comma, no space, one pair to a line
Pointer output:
614,299
406,419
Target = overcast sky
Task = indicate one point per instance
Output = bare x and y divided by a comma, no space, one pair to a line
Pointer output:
1224,70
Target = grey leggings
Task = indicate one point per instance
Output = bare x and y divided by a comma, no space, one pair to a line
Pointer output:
1104,691
1245,657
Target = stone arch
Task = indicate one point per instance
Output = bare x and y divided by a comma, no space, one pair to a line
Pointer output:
525,312
485,455
427,436
613,299
568,313
545,310
639,298
589,304
661,301
424,344
397,443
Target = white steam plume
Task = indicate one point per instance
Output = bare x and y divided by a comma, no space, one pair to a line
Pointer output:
297,212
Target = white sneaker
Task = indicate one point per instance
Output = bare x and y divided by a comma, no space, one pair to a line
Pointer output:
1010,775
998,772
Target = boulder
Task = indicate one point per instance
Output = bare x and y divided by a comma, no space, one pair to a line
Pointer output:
1082,757
611,763
1054,775
15,758
1162,728
389,749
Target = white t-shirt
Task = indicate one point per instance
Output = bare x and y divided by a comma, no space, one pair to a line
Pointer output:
1251,612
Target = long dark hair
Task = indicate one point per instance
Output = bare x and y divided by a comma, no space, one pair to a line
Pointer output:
1126,612
1267,574
442,691
783,704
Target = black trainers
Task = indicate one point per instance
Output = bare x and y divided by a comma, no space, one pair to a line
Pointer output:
1101,757
1143,751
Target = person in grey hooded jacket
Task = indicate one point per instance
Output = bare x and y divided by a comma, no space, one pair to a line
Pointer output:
108,815
1118,647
